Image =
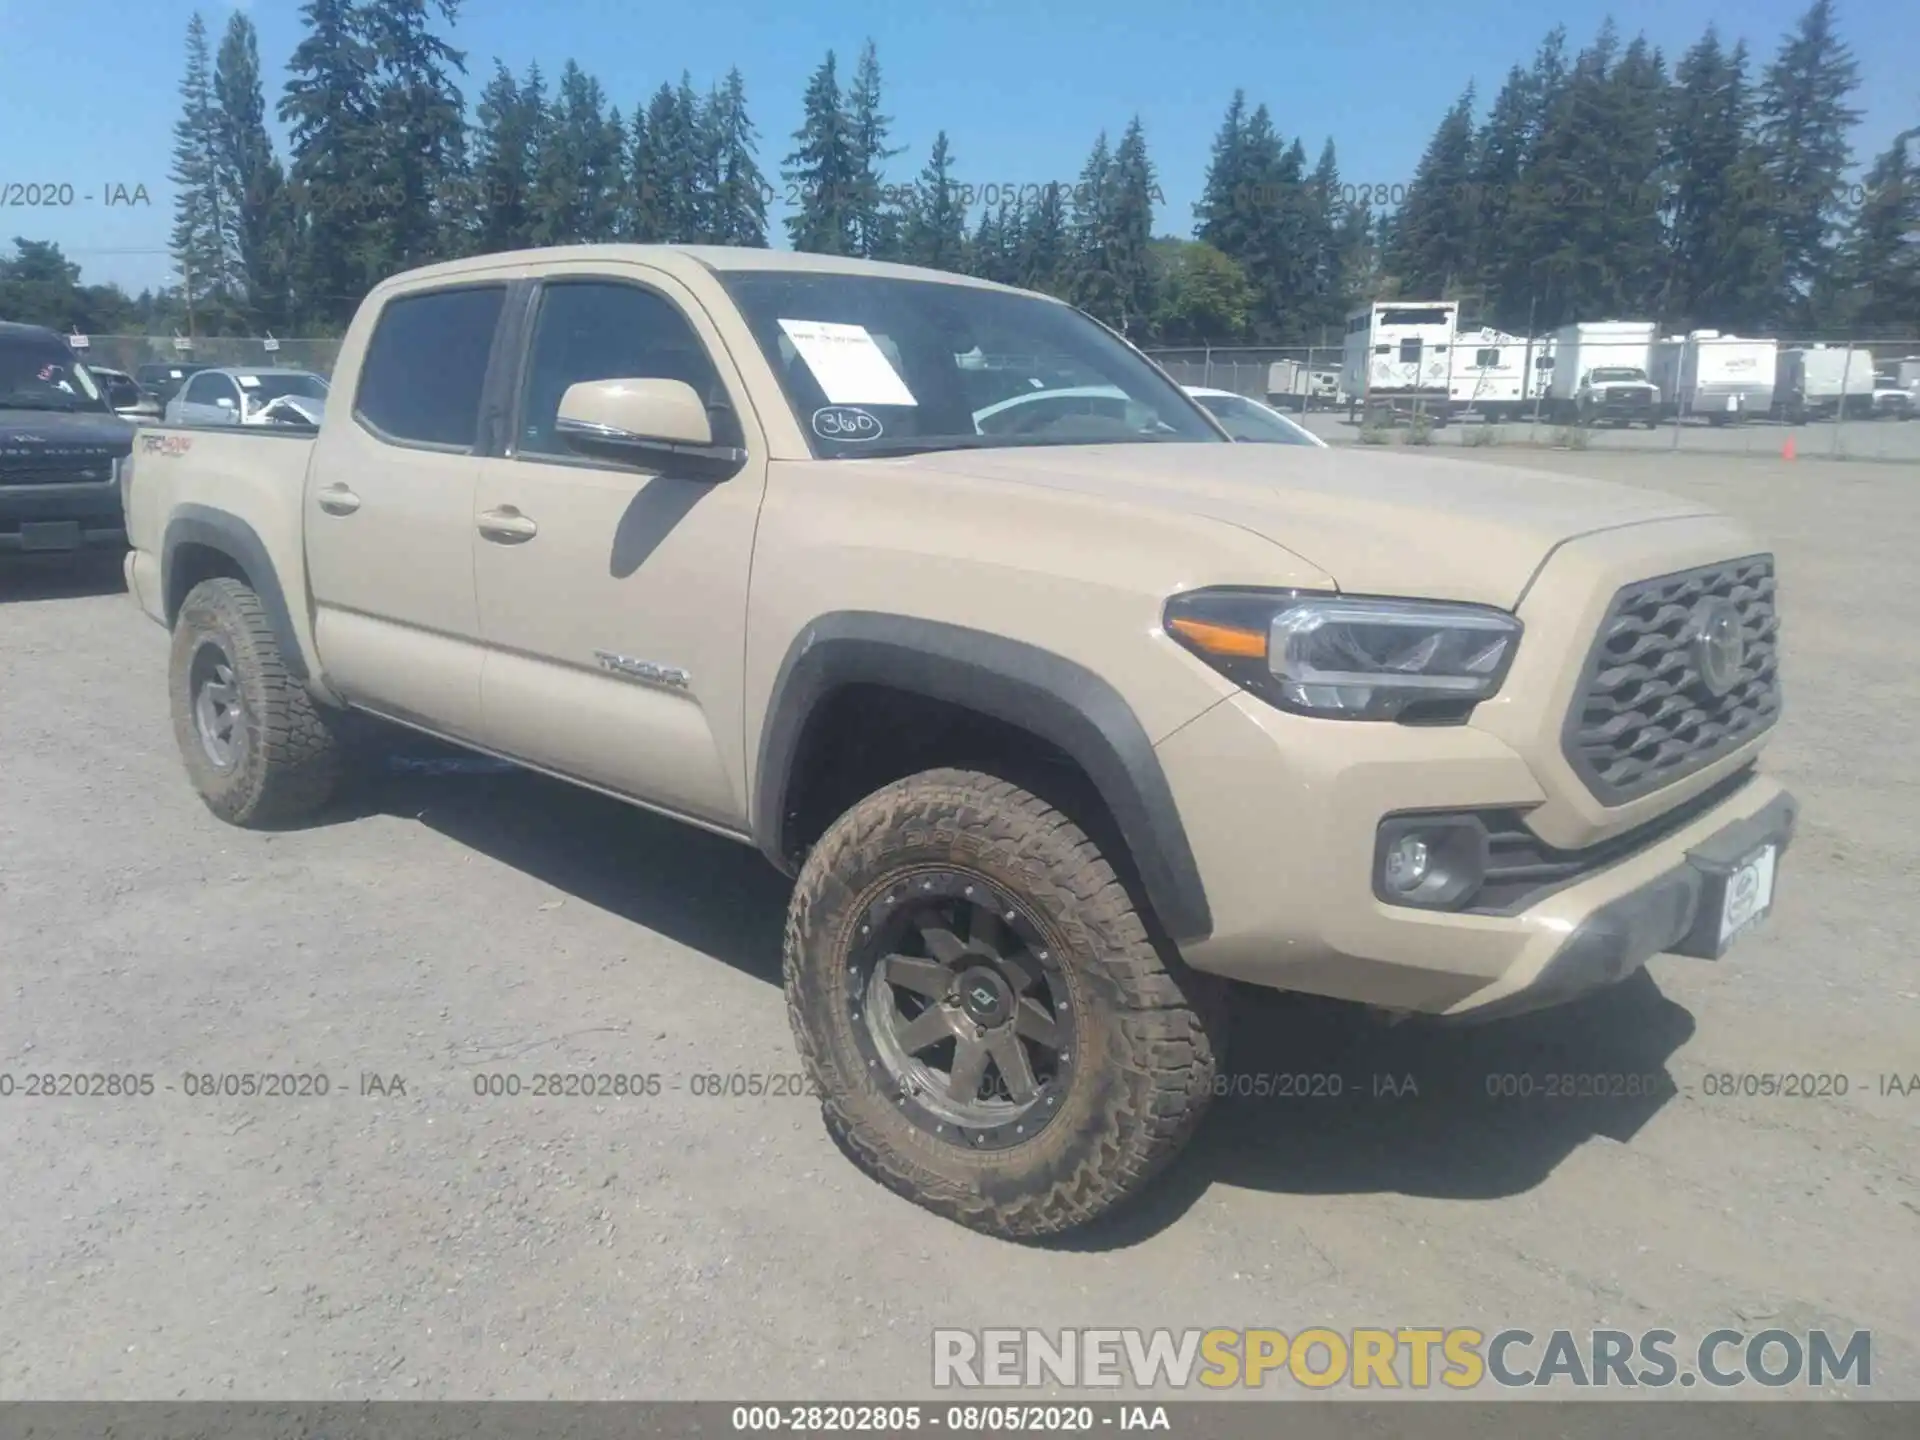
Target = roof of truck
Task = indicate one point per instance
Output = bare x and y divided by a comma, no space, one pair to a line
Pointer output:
683,258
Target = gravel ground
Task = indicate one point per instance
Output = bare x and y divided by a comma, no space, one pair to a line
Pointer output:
420,1241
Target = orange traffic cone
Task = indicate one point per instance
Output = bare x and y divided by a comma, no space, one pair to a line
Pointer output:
1786,450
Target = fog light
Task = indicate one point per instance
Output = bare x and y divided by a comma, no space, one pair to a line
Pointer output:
1435,862
1407,860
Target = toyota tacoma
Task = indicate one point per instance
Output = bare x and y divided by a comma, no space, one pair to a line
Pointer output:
1063,710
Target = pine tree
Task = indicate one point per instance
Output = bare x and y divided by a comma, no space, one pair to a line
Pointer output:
935,233
1326,208
1804,126
508,147
993,252
419,164
671,166
1514,193
740,197
580,186
1088,279
1880,262
1433,234
1043,251
825,170
1129,232
256,188
205,238
329,107
1223,216
877,221
1723,268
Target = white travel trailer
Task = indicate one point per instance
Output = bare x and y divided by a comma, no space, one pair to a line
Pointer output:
1722,378
1294,384
1397,356
1816,381
1600,372
1492,372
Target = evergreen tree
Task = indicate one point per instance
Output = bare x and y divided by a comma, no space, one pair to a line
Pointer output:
994,252
1558,218
1089,281
328,106
739,211
935,233
1804,125
1723,260
1043,250
1129,233
1433,234
509,145
825,170
1326,210
205,234
256,188
418,168
671,165
1513,192
1223,217
579,189
1880,263
877,221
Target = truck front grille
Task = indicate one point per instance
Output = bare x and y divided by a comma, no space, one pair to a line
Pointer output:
1643,716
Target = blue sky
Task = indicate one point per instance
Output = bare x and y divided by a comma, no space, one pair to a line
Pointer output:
1022,87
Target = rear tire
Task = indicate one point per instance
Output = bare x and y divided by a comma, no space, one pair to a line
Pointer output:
1062,1134
257,748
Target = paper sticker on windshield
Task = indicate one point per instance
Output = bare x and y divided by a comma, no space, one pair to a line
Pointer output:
845,422
248,382
851,367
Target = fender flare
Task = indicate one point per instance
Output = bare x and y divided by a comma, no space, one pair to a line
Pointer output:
1047,695
229,534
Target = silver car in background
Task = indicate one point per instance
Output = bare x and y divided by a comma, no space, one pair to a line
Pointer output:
242,396
1250,421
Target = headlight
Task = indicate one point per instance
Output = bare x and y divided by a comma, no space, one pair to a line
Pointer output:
1348,657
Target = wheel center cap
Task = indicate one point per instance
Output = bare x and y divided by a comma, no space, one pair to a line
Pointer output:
985,997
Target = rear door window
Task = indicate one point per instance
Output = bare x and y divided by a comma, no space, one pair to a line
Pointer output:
426,367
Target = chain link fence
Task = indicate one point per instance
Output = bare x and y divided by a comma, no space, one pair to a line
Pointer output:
1616,386
130,352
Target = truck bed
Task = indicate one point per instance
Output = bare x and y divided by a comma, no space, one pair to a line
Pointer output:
249,476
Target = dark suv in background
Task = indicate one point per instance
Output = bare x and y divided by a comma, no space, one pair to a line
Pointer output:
61,448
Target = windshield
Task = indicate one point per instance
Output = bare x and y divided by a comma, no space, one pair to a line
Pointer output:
873,365
1248,420
264,389
38,374
1618,373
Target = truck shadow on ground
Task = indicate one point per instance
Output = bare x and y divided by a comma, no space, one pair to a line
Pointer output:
1318,1097
60,577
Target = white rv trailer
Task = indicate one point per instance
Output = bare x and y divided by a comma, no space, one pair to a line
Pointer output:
1492,372
1297,385
1817,381
1397,357
1722,378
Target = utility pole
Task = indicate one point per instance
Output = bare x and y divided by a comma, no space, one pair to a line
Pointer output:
186,281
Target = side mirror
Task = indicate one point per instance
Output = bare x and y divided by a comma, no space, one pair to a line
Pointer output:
652,424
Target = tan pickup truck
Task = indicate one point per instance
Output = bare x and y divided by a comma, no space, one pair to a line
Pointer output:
1062,708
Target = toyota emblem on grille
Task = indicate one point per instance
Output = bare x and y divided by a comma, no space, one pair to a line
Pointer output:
1719,648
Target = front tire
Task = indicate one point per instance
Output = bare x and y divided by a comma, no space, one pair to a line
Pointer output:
992,1031
257,748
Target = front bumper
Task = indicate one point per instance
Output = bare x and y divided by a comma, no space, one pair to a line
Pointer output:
60,517
1676,914
1283,815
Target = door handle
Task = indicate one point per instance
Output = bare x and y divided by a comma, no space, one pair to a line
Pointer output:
337,499
506,526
